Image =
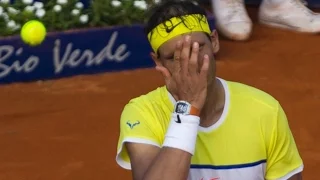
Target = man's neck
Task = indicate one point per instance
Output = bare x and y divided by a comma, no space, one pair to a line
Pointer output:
213,108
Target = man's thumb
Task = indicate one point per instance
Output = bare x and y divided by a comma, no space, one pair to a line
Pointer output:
164,71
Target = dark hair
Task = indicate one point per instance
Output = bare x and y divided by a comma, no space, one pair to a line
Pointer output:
168,9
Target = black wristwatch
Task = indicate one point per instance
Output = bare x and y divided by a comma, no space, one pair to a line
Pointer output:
185,108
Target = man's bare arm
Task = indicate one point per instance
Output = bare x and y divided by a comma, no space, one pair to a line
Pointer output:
296,177
153,163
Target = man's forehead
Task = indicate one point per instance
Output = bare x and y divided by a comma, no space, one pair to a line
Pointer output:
194,36
171,44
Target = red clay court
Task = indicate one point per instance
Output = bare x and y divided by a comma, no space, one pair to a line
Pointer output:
68,129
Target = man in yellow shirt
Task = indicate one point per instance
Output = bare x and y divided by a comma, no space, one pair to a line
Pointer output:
198,126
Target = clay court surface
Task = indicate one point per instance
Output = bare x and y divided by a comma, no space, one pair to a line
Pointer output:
68,129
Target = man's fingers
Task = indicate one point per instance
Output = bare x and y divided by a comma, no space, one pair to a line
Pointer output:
193,62
185,53
205,66
177,52
177,56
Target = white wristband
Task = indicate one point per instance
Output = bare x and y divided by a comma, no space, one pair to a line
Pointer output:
182,132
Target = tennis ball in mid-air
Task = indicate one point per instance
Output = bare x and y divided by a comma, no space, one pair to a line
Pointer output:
33,32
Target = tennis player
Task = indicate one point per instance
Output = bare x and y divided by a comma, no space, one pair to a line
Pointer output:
198,126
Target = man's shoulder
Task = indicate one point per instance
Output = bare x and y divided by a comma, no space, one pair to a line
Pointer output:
252,95
152,110
153,96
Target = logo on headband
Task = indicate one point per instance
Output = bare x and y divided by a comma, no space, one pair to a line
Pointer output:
177,26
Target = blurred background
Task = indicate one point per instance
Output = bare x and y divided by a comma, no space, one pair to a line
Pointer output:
60,101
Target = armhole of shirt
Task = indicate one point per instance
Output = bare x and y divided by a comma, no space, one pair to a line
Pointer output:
292,173
123,163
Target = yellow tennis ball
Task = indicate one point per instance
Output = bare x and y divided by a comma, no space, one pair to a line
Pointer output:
33,32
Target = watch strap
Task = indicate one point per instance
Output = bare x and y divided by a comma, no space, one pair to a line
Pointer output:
194,111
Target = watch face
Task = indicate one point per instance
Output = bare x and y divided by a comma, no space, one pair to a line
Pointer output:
181,108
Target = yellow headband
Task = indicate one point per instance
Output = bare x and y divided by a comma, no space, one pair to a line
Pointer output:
177,26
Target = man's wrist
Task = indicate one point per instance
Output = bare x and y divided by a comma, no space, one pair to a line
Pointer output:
185,108
182,132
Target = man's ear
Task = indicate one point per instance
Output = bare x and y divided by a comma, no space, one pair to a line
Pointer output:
215,41
155,58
